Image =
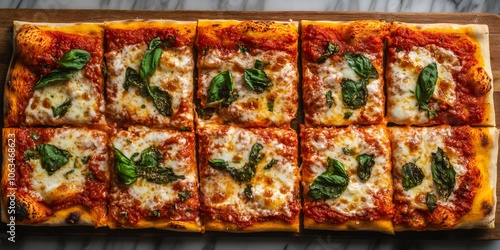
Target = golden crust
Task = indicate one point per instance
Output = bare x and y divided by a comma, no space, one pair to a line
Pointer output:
383,225
265,226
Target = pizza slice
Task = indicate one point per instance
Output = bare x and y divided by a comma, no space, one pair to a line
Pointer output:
55,176
155,182
56,75
439,74
342,68
249,179
346,176
150,73
444,177
247,73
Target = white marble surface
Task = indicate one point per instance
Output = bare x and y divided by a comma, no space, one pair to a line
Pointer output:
241,242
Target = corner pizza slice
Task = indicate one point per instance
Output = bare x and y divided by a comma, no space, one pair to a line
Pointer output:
444,177
150,73
56,75
439,74
343,77
249,179
247,73
346,176
55,176
155,182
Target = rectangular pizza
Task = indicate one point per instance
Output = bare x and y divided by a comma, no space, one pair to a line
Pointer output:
444,177
346,178
155,180
55,176
249,179
439,74
343,72
247,73
150,67
56,75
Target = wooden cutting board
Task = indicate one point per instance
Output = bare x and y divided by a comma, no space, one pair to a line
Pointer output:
60,15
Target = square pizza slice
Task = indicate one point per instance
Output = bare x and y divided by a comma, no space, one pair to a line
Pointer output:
444,177
439,74
155,180
56,75
343,75
346,176
55,177
150,68
247,73
249,179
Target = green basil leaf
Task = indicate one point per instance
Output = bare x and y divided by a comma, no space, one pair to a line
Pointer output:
254,157
133,78
61,110
150,157
151,59
156,213
443,173
354,93
347,115
259,64
362,66
248,191
271,163
347,151
424,89
242,49
74,59
184,195
330,50
52,157
206,113
431,201
162,100
158,174
256,78
221,89
329,99
330,184
125,167
270,105
85,159
366,162
55,75
412,175
218,164
31,154
247,172
34,136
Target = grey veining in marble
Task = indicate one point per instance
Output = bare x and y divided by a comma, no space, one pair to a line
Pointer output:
489,6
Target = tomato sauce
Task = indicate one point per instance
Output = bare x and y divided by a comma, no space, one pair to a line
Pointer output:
119,38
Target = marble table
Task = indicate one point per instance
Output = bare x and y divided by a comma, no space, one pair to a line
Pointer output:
237,241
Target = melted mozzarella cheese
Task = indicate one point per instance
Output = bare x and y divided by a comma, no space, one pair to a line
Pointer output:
70,178
153,196
85,106
359,195
404,72
174,74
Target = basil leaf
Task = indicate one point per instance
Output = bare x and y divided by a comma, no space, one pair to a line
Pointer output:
184,195
218,164
247,172
125,167
426,84
443,173
366,162
206,113
347,115
330,184
34,136
61,110
353,93
242,49
150,157
256,78
156,213
248,191
158,174
55,75
412,175
347,151
74,59
329,99
270,105
151,59
330,50
162,100
133,78
271,164
85,159
52,157
362,66
431,201
31,154
221,89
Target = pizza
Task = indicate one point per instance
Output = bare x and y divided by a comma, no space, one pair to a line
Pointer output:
346,178
439,74
55,176
155,182
150,73
56,75
444,177
247,73
249,179
343,75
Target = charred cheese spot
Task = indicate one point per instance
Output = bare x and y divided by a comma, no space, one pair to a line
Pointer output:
480,81
21,211
486,207
485,141
73,218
